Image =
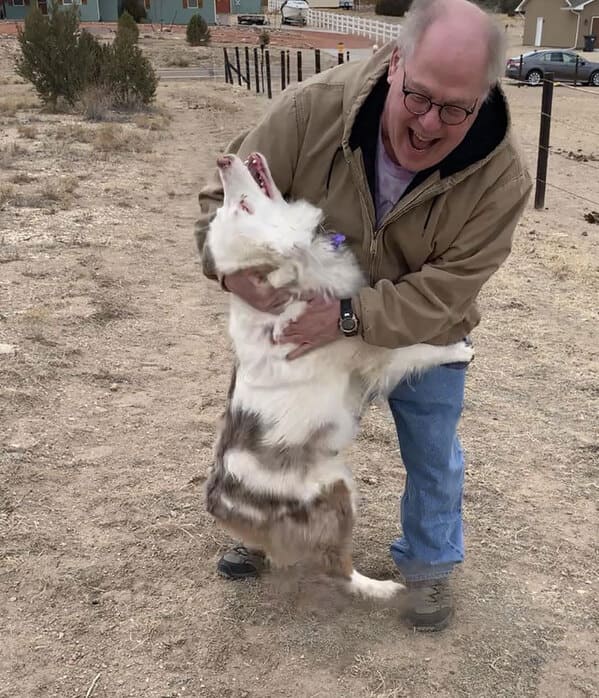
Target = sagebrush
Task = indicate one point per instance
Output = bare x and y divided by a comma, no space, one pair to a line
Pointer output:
63,62
197,33
127,27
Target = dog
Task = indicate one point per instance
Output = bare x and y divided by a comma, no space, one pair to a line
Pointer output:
279,481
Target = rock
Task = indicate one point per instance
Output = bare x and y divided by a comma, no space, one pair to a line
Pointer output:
8,348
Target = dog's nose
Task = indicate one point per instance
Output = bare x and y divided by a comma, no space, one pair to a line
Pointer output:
224,161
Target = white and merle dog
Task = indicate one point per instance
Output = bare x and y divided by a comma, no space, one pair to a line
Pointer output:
280,482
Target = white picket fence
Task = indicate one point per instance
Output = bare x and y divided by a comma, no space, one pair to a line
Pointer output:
381,32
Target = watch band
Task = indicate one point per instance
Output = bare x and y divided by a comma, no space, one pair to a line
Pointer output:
348,322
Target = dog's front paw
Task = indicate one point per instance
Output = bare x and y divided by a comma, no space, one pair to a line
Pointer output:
461,352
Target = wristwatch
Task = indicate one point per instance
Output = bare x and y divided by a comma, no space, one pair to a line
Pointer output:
348,322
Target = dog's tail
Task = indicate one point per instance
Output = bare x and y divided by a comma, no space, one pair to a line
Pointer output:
382,589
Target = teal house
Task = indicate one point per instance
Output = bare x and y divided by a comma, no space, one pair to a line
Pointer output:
179,11
88,9
158,11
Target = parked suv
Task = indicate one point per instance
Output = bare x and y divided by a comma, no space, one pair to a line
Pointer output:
562,64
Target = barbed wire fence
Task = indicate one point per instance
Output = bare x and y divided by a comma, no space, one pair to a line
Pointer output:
545,149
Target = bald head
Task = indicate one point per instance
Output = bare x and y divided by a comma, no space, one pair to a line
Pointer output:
462,36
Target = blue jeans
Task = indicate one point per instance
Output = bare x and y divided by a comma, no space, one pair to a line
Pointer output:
426,411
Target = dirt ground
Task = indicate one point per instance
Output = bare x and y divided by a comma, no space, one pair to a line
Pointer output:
114,364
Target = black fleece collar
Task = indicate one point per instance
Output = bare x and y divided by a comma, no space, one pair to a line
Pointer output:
485,134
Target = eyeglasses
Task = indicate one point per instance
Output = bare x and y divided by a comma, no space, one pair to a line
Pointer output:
449,114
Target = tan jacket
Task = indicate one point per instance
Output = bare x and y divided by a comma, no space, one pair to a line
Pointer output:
446,236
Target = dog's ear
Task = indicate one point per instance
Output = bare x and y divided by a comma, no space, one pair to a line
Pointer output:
285,275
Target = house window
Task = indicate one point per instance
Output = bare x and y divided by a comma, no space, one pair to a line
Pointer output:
67,2
18,3
192,3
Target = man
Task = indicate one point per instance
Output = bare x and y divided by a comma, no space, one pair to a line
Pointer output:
410,156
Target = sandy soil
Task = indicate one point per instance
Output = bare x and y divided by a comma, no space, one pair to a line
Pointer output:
114,365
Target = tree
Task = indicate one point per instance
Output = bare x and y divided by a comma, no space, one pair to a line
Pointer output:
198,33
55,57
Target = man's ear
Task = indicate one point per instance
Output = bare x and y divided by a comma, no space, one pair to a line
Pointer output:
393,64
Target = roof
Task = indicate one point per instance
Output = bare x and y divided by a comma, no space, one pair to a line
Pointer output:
579,4
569,4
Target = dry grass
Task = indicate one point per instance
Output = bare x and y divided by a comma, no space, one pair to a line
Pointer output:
113,139
96,103
156,120
22,178
27,131
11,152
178,62
10,105
7,192
70,132
53,191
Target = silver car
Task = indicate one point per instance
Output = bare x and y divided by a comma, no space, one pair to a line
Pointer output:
562,64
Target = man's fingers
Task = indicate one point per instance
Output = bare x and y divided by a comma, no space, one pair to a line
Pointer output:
299,351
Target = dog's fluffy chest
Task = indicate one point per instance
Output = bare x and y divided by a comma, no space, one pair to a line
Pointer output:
293,399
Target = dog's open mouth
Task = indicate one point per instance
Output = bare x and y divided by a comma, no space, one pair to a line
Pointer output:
259,170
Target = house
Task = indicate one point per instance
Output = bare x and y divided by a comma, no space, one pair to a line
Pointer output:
158,11
239,7
179,11
559,23
17,9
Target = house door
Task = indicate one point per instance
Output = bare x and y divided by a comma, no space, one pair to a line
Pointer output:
539,33
595,28
223,7
43,6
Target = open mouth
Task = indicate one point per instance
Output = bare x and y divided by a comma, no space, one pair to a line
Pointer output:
419,143
258,169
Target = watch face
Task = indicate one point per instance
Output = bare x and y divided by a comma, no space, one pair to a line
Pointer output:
348,324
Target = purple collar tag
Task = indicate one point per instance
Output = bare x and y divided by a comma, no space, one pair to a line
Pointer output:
337,239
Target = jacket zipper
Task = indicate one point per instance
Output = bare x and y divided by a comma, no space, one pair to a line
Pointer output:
359,177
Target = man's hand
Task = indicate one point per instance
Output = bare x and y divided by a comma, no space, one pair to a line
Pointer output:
316,326
253,288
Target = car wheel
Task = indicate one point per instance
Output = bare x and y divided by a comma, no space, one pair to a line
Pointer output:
534,77
594,79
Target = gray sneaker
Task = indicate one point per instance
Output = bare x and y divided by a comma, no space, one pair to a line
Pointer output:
240,562
429,604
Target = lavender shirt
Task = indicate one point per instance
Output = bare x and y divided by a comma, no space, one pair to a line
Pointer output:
391,181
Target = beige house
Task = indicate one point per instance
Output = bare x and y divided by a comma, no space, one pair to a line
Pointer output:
559,23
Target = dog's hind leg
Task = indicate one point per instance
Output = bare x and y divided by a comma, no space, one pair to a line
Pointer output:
336,556
373,588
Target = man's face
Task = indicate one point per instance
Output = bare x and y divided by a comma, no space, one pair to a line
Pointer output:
419,142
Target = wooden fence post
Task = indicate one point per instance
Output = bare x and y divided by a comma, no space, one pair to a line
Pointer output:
268,82
299,66
256,73
247,66
228,76
238,63
317,60
543,156
520,68
282,70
